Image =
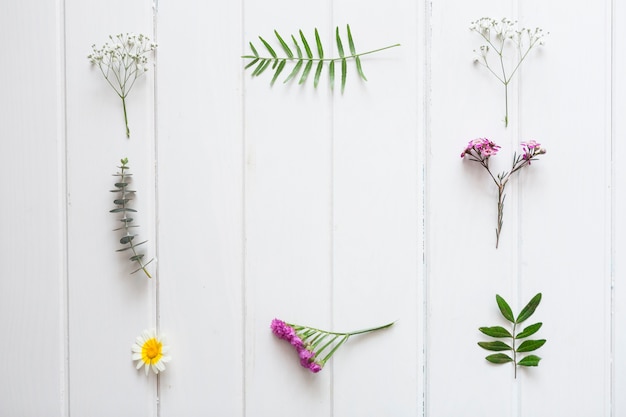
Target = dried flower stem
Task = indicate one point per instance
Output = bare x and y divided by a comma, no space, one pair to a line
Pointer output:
480,150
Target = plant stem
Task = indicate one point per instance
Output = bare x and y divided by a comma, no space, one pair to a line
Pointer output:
125,116
506,104
501,197
514,354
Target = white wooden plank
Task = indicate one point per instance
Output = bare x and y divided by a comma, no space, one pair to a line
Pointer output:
565,210
619,208
376,201
108,307
288,215
464,269
32,243
200,194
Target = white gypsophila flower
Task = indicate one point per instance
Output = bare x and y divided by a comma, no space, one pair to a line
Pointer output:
150,350
122,61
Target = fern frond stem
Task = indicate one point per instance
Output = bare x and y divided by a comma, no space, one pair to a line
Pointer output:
295,58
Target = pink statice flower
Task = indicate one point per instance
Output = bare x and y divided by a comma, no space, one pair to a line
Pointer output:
286,332
310,343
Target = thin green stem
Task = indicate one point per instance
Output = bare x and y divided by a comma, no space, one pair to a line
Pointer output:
125,116
501,197
514,353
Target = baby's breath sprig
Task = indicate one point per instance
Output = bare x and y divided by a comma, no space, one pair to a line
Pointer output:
121,62
498,34
125,195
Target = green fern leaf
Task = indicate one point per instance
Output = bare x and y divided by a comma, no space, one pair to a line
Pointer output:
280,68
318,42
298,50
269,48
304,60
350,41
339,43
318,72
284,45
294,72
307,48
306,71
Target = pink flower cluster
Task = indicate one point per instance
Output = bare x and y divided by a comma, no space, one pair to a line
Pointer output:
307,357
531,148
482,146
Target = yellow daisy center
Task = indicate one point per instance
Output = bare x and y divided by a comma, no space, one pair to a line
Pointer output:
151,351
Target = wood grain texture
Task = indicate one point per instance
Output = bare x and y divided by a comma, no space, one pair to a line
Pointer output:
338,211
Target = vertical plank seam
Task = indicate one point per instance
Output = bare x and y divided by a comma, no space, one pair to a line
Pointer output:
244,211
65,291
155,171
426,85
331,6
611,254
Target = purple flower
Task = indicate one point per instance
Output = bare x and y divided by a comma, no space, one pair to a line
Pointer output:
483,147
284,331
314,367
531,148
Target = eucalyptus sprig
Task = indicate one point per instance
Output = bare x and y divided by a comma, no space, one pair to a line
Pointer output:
125,196
498,34
304,58
528,345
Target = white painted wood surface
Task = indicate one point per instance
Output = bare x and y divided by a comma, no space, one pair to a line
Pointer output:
335,211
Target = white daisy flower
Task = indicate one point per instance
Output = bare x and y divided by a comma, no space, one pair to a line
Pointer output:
151,350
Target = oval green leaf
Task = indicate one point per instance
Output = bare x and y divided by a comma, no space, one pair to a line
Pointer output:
529,331
530,345
496,331
127,239
530,360
499,358
496,346
529,309
505,309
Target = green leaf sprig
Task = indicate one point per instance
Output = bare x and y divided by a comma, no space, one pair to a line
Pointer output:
125,196
500,332
305,60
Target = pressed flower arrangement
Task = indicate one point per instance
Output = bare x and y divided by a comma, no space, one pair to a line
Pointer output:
122,62
314,346
304,58
480,150
498,35
121,201
528,345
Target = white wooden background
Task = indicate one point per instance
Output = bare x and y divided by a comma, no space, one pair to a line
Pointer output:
334,211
